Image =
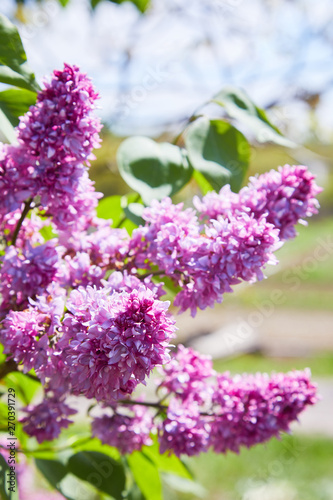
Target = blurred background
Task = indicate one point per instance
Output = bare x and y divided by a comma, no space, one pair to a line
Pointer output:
153,70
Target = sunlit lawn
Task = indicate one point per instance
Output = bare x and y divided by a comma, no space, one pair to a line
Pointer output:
294,468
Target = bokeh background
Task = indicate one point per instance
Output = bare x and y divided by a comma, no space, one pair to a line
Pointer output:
153,70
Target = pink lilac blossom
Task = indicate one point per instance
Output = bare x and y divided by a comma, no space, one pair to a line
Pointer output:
46,420
186,375
230,251
125,282
27,274
147,242
110,343
126,432
251,409
56,138
184,431
24,338
16,183
29,231
284,197
204,265
60,126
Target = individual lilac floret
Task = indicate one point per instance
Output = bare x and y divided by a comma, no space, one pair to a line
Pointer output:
28,274
184,431
251,409
46,420
112,342
126,432
186,375
284,197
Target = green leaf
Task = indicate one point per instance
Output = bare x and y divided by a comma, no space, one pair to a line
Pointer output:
5,493
15,102
110,208
166,463
12,53
239,105
153,170
133,212
95,444
3,478
64,2
183,485
24,386
203,184
146,475
100,470
25,79
219,151
53,470
47,233
6,129
13,69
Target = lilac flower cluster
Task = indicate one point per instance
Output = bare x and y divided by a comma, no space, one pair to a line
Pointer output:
27,274
235,411
126,432
80,300
55,139
284,197
46,420
111,343
235,245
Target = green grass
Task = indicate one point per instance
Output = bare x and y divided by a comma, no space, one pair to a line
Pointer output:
320,365
302,463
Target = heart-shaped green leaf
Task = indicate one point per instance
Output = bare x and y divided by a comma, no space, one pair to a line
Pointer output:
239,105
153,170
219,151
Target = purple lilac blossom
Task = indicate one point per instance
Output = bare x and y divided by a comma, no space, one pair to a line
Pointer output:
46,420
251,409
284,197
230,251
186,374
27,274
184,431
126,432
110,343
24,338
29,231
55,142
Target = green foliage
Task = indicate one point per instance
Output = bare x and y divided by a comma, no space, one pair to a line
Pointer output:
5,493
53,470
239,105
219,151
146,475
15,102
153,170
14,71
100,470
